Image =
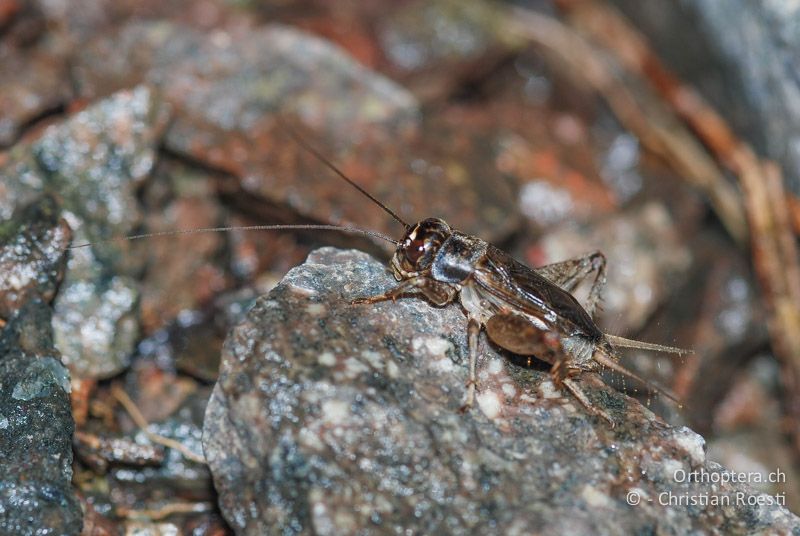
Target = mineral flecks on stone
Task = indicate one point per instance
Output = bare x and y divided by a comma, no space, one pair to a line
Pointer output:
97,158
93,162
231,81
334,418
32,255
36,425
36,495
226,92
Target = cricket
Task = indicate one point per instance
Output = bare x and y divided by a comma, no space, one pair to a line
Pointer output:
527,311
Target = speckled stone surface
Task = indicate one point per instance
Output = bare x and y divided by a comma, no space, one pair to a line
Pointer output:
332,418
36,425
32,259
230,81
93,162
227,89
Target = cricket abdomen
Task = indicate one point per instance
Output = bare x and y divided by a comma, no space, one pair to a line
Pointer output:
581,349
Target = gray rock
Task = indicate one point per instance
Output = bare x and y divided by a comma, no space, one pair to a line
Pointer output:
32,259
743,56
230,82
36,495
36,425
94,162
439,33
332,418
96,159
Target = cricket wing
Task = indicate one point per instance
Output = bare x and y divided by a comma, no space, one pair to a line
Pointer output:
526,292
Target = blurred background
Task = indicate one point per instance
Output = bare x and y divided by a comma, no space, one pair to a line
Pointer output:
664,134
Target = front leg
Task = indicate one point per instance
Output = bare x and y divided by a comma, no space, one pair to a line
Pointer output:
438,293
473,330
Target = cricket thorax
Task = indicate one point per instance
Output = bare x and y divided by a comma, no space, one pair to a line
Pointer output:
457,258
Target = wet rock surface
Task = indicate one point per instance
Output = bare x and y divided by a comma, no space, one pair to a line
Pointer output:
335,418
36,425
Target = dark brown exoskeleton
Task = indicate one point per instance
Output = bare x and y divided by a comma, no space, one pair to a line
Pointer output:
527,311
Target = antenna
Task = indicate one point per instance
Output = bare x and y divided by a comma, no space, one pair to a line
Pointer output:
319,156
356,230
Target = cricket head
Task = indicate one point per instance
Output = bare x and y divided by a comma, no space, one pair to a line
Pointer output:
416,251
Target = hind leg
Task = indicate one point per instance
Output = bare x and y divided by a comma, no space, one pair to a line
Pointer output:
569,274
572,386
566,367
517,334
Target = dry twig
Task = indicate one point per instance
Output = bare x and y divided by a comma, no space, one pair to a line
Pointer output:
659,128
162,512
768,214
142,423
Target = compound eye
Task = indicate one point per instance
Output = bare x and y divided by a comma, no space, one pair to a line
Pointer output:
416,249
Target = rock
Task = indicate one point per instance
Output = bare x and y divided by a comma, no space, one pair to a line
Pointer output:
175,476
427,34
333,418
97,158
226,92
34,84
744,59
95,321
36,495
231,81
32,256
93,163
434,45
645,254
